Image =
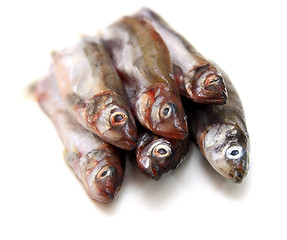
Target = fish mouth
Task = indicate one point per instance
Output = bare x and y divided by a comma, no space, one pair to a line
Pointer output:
149,168
129,141
127,144
107,192
105,197
179,134
178,130
156,173
237,176
219,99
153,172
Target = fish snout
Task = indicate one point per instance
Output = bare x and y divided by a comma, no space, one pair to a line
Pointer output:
129,139
156,172
149,167
106,185
238,175
181,130
128,143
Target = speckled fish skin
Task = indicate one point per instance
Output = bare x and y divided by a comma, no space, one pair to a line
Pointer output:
93,92
142,60
99,165
221,134
197,77
158,155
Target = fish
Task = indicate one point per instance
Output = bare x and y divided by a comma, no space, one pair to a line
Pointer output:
221,134
93,92
197,77
142,60
99,165
156,155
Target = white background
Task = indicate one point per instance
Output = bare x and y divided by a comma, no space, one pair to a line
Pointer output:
42,199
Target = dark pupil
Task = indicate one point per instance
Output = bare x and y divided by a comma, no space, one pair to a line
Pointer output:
162,151
118,118
104,173
234,152
165,111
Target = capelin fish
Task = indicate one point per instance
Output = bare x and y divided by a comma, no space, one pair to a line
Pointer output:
198,78
221,134
142,60
93,92
99,165
157,155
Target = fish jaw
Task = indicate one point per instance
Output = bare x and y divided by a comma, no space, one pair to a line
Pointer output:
227,150
206,85
112,120
151,107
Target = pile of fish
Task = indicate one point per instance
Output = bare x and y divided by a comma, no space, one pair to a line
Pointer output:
139,86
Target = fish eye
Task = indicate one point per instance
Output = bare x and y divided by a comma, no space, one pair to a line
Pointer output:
118,118
167,110
212,80
234,152
162,150
104,172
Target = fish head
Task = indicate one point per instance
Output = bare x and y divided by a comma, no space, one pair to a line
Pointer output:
226,147
156,155
111,118
164,114
104,174
206,85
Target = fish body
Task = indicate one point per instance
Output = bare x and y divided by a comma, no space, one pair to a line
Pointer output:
93,92
98,165
221,134
158,155
197,78
142,60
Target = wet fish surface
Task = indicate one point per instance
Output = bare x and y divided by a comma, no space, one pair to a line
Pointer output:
99,165
158,155
197,77
221,134
142,60
93,92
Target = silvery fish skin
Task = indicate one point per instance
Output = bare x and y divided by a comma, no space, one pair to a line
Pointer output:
198,78
157,155
99,165
93,92
221,134
142,60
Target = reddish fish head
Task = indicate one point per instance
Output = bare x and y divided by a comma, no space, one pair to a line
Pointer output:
226,147
161,111
157,155
104,174
206,85
110,117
